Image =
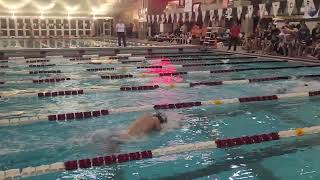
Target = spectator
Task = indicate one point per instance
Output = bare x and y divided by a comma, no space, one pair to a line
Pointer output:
303,37
234,36
177,31
120,28
316,41
316,33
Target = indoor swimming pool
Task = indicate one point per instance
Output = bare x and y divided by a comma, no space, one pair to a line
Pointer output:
48,114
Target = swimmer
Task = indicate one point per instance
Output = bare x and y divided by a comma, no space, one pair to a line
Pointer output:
144,125
281,91
141,127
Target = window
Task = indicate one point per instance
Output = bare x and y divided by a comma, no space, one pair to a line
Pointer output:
58,24
51,33
11,24
20,33
3,23
80,24
66,24
59,33
44,33
35,24
73,24
51,24
20,23
12,33
27,23
43,24
87,24
4,33
36,33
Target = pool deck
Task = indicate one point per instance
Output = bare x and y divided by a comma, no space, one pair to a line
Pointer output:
103,51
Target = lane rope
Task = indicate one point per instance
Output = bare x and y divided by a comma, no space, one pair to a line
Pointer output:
48,93
108,160
208,72
105,112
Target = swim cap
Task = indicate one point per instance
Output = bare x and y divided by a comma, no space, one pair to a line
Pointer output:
162,118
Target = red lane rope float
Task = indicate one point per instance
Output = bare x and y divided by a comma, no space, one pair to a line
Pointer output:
3,67
93,63
60,93
101,69
149,67
131,61
177,105
173,74
258,98
139,88
45,72
254,80
314,93
78,115
38,61
309,76
107,160
53,80
80,59
41,65
212,83
117,76
221,63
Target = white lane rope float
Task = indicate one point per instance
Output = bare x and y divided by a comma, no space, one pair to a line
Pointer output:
112,159
105,112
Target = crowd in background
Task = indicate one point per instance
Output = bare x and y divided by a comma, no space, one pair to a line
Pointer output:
293,40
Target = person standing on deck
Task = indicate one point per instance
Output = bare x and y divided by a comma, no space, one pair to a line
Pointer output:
234,36
121,28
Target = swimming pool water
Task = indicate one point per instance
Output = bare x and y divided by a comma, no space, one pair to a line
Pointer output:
45,143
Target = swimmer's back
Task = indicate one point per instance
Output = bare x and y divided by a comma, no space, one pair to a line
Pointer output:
143,125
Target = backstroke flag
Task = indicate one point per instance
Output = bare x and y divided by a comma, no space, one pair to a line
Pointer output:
250,11
290,5
310,11
239,12
262,9
275,8
220,11
229,13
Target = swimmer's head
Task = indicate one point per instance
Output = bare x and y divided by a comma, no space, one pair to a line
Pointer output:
281,91
162,117
306,85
